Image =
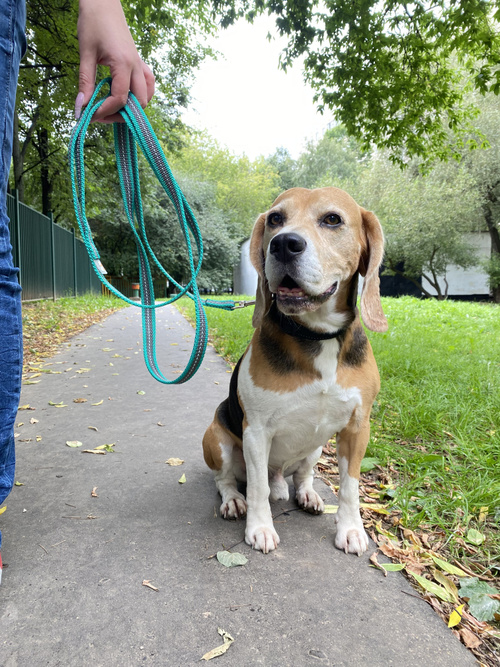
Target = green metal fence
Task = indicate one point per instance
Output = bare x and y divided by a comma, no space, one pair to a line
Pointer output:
52,261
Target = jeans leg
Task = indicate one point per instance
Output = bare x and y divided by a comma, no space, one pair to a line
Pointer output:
12,47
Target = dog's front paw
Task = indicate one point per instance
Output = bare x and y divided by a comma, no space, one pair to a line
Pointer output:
310,501
351,536
234,508
264,538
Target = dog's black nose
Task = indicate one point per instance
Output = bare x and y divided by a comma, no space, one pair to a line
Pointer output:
286,247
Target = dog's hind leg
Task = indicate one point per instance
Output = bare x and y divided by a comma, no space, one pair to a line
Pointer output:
225,457
307,498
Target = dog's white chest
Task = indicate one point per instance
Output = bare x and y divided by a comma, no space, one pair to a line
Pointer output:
299,421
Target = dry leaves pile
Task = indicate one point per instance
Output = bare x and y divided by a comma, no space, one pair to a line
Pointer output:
466,597
43,340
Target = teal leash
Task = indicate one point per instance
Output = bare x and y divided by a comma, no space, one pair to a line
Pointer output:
137,131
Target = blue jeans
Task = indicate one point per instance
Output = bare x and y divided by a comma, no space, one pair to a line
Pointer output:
12,48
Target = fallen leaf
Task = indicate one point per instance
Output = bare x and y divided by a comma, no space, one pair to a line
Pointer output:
39,438
79,400
2,509
477,592
99,403
182,479
147,583
26,407
141,393
93,428
469,638
31,381
229,559
33,421
448,567
474,537
447,583
375,563
94,451
18,484
83,370
159,424
93,493
74,443
219,650
56,405
108,448
455,616
174,462
331,509
433,588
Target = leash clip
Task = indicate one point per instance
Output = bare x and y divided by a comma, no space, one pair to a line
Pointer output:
243,304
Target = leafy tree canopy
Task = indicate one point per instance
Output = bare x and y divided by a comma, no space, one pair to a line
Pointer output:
392,71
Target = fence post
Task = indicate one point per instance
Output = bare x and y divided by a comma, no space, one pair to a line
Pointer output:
74,261
17,232
52,255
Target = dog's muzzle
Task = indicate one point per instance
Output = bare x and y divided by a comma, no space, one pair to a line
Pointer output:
291,297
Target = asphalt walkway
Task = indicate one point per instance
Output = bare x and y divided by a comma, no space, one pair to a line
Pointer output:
73,588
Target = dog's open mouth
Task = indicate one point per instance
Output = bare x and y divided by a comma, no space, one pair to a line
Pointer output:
291,294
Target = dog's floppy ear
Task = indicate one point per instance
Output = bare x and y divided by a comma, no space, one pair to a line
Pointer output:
263,295
371,259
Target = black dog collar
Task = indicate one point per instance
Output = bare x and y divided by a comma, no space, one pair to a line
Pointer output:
292,328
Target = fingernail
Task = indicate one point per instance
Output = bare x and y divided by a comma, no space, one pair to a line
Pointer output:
78,106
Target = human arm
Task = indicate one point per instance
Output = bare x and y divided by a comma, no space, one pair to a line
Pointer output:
105,39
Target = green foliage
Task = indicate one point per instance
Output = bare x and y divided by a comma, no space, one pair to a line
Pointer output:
167,35
243,189
115,240
425,218
492,268
389,69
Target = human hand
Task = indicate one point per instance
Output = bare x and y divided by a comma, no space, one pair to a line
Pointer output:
105,39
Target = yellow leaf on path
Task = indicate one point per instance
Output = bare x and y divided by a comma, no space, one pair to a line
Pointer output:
455,616
35,375
2,509
182,479
219,650
18,484
25,407
331,509
94,451
93,493
73,443
39,438
79,400
93,428
99,403
174,462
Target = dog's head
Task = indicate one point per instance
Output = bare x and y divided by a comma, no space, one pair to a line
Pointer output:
308,247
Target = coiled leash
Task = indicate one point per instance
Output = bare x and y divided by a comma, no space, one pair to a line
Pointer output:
137,130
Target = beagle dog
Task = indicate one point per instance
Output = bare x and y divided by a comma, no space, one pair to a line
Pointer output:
309,371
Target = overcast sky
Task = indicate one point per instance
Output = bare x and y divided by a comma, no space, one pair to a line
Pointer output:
246,102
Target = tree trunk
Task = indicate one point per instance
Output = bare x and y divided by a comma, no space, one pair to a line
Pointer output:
45,182
18,160
494,235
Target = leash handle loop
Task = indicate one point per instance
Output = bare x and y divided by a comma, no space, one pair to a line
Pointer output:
137,131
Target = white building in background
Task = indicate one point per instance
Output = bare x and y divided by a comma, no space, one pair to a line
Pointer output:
244,275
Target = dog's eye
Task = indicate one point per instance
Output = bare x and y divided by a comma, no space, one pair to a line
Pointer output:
332,220
275,219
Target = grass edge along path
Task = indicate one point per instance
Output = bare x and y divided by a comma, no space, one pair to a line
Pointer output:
47,324
430,488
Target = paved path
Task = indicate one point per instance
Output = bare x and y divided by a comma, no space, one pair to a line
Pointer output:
72,593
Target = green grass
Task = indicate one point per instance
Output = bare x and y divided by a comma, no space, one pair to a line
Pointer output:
436,419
